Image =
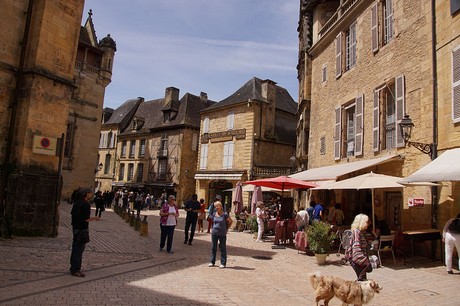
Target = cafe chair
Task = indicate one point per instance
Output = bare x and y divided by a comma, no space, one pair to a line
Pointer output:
386,245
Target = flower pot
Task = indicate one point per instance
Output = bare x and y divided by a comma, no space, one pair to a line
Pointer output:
321,259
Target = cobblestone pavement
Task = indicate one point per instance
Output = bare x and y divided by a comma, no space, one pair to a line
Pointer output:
124,268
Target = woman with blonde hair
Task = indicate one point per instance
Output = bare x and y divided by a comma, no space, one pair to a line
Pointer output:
358,254
221,224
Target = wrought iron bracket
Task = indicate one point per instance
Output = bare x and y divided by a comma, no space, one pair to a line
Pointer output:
423,147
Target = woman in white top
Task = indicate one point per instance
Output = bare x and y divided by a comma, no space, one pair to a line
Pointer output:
451,238
169,213
260,220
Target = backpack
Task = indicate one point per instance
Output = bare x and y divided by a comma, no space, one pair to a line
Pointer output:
454,226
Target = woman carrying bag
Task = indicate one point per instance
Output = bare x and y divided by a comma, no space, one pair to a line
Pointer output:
357,254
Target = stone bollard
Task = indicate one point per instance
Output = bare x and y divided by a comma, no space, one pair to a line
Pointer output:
122,213
132,218
127,216
144,231
137,223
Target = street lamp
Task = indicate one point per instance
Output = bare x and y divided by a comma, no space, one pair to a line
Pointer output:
406,126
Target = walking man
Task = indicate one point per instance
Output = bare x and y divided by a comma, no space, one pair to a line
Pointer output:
192,207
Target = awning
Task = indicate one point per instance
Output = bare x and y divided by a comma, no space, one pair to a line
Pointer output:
219,176
444,168
335,171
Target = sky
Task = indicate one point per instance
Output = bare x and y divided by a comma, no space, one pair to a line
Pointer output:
211,46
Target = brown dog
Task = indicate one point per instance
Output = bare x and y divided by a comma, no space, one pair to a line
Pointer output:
349,292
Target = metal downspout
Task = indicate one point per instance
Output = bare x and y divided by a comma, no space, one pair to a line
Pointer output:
434,148
5,211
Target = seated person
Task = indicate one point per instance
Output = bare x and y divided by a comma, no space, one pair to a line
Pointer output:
381,228
243,214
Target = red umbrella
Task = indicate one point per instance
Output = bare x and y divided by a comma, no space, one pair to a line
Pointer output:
282,182
238,198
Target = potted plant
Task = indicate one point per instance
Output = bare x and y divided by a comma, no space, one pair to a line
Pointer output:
251,222
320,239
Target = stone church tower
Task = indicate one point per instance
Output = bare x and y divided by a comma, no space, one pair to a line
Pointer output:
47,65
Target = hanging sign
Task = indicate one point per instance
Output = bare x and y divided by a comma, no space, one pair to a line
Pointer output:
44,145
416,202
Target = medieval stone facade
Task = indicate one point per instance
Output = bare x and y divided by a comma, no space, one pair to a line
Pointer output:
152,146
42,93
248,135
363,66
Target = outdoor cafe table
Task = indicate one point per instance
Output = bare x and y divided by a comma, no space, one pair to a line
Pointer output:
284,231
422,235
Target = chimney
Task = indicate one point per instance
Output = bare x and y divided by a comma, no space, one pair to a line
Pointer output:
269,90
171,94
204,97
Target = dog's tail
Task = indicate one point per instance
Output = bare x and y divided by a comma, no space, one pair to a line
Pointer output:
315,279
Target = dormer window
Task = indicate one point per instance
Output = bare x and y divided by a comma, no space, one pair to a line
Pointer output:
137,123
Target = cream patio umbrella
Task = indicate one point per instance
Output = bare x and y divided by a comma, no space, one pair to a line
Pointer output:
370,181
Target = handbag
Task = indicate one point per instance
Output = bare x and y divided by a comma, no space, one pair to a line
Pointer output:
83,236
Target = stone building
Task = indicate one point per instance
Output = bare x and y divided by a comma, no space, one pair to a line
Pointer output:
41,95
248,135
93,73
157,145
113,123
363,66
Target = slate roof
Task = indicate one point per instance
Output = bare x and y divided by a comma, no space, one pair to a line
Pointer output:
187,112
124,113
252,90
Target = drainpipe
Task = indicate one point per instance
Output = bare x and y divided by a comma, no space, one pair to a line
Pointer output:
434,148
6,211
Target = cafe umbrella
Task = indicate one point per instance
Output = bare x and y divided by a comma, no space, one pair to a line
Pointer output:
256,197
237,199
370,181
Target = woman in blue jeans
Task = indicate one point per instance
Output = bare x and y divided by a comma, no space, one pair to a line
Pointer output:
221,224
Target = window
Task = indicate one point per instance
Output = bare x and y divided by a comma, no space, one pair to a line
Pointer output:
350,47
108,158
456,84
130,172
350,50
142,148
204,156
163,151
69,134
121,174
162,168
230,120
386,19
140,172
194,141
352,126
228,155
324,73
206,125
388,110
123,149
132,149
110,140
322,149
101,140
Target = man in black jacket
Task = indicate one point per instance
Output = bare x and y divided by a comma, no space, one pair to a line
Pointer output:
192,207
81,215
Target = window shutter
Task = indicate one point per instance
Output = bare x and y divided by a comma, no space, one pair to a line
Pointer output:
230,120
204,156
374,28
389,7
230,155
206,125
337,133
456,85
359,102
400,109
376,122
338,55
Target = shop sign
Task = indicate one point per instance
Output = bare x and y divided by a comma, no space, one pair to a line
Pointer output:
416,202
